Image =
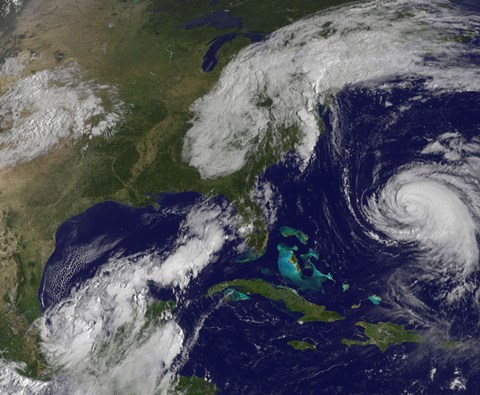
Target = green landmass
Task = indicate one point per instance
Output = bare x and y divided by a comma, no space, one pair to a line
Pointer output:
159,310
287,231
251,255
292,300
184,385
465,37
383,335
453,345
156,67
301,345
356,306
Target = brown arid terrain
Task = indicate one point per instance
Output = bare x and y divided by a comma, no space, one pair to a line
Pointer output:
137,51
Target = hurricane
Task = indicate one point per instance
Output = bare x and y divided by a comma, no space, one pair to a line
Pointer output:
410,191
433,207
414,196
373,216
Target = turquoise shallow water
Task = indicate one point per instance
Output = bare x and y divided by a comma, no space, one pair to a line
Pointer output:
319,243
242,346
343,268
304,276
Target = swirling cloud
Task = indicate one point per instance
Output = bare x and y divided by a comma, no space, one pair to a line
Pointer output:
298,66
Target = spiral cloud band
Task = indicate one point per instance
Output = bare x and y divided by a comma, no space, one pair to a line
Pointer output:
433,207
298,66
425,206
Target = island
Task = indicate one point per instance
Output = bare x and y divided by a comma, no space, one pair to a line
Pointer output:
292,300
375,299
452,345
301,345
160,310
291,271
383,335
185,385
307,257
234,295
287,231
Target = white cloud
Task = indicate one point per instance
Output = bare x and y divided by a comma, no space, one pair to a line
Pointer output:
13,66
300,65
434,206
458,383
12,383
10,6
204,237
99,338
41,110
269,200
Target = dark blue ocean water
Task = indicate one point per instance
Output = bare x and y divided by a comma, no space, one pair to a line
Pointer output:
88,240
243,345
